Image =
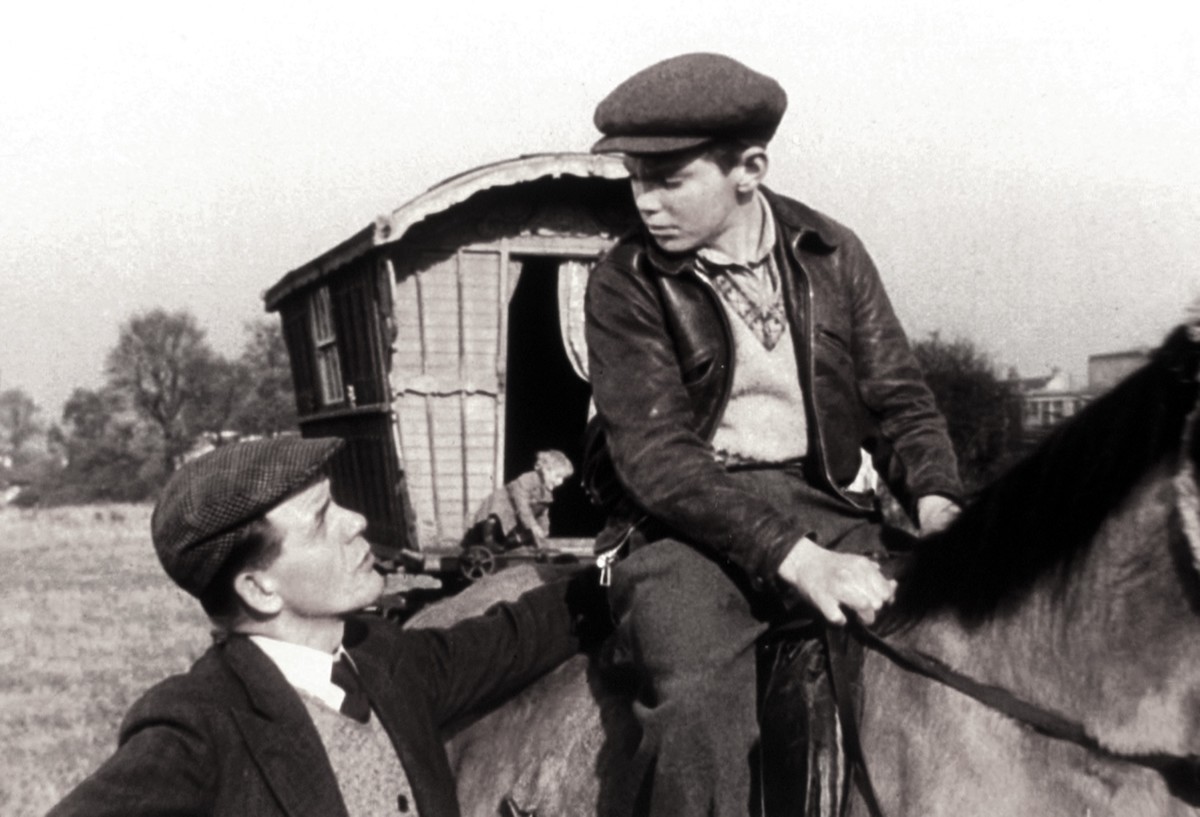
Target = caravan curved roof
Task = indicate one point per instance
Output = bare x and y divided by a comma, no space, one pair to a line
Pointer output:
442,196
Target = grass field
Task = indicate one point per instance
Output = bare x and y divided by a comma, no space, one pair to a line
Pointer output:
89,621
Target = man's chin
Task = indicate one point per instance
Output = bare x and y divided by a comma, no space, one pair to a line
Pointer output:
371,593
379,585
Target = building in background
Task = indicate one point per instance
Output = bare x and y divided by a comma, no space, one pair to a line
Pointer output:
1047,400
1106,370
444,343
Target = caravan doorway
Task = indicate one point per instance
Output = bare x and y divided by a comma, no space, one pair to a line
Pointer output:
546,399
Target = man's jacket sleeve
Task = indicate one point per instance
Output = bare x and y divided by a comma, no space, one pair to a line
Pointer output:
481,660
164,765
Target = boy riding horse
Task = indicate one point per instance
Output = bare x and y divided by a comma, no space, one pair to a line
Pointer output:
742,352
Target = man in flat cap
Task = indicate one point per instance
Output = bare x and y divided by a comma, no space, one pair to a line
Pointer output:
305,706
742,354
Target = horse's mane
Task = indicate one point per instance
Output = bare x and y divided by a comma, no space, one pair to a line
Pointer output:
1046,509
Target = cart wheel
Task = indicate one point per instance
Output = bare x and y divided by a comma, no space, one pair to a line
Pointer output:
477,562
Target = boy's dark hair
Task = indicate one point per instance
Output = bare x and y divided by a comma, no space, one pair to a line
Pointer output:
727,153
258,546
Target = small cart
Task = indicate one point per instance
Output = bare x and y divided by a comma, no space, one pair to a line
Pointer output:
456,566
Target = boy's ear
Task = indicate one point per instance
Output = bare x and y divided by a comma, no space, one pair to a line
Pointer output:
753,169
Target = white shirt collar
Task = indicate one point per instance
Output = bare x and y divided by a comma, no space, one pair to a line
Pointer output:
307,669
766,239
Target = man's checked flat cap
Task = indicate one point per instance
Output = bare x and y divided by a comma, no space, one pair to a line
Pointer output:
199,516
686,101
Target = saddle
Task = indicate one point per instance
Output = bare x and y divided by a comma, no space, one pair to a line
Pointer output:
810,699
803,767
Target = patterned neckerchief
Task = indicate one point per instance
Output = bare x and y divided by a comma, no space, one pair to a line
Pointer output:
751,290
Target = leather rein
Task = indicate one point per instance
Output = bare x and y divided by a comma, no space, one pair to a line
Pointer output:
1039,718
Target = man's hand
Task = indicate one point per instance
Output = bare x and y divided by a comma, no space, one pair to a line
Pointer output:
935,512
830,580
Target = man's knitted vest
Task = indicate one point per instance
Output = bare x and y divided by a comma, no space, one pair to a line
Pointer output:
371,779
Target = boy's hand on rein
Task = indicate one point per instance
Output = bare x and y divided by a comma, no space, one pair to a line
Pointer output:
829,581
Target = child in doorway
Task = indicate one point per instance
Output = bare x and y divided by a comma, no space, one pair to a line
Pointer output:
518,513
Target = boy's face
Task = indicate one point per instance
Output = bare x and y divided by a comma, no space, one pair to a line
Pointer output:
687,202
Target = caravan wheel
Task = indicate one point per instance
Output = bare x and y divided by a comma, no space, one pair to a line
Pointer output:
477,562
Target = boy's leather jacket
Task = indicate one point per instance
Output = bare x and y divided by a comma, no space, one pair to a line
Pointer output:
660,362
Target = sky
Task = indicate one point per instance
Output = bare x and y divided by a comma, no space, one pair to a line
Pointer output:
1026,175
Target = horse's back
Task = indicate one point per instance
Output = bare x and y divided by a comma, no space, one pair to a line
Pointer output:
563,746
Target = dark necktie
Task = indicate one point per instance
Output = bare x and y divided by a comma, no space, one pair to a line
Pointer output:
355,704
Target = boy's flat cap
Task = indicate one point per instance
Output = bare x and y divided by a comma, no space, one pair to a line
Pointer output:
686,101
205,504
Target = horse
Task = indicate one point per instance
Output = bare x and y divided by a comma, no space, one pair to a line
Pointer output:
1071,585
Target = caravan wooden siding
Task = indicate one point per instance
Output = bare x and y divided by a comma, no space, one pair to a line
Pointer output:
296,336
349,317
366,475
447,374
361,335
436,408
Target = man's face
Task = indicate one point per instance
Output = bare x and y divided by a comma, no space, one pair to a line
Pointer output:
687,202
324,568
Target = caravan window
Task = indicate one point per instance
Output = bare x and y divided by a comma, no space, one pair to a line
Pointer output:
329,368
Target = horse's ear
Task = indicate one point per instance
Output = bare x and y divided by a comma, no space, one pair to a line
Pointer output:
1180,352
1192,319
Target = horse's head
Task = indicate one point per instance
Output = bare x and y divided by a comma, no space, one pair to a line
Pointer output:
1042,516
1147,571
1085,559
1182,351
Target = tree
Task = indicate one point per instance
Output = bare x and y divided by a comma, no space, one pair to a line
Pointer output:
109,453
20,423
269,403
87,416
979,406
162,364
227,383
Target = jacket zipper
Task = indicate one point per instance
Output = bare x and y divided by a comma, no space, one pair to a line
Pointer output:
810,372
731,357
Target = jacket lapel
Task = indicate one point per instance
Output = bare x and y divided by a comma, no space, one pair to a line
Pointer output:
281,738
401,711
395,714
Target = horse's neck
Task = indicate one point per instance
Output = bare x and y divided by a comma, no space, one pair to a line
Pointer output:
1114,645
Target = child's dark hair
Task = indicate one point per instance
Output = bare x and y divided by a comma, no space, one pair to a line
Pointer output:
727,153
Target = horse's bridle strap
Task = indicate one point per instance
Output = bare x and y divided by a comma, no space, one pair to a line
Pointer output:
1042,720
1039,718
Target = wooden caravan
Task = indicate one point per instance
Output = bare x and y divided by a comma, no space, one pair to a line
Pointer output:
444,342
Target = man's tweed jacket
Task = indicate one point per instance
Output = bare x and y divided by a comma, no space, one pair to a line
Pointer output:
232,737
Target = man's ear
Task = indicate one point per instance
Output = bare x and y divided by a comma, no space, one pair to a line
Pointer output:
257,591
753,169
